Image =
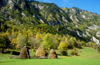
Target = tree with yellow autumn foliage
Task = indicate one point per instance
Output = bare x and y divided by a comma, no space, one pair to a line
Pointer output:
13,43
21,40
63,47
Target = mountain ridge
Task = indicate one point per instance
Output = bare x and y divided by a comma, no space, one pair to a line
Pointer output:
31,13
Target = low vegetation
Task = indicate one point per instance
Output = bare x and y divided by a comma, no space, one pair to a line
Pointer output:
85,56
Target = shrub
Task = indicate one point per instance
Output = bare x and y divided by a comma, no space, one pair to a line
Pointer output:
13,43
82,43
63,47
98,49
72,42
4,41
90,44
74,52
64,52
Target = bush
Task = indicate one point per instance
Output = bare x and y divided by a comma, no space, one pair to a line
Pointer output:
74,53
98,49
72,42
4,41
90,44
13,43
64,52
63,47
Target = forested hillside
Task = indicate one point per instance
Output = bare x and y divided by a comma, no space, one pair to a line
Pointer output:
30,22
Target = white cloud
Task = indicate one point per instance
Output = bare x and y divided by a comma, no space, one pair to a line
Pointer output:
65,0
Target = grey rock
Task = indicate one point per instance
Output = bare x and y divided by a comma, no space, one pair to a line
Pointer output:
38,6
83,16
53,23
12,4
84,35
96,40
71,17
87,33
93,27
23,14
79,33
98,34
41,20
77,26
10,18
23,5
74,18
64,19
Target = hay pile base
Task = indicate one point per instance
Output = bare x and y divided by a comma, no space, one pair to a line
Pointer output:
24,53
41,52
52,54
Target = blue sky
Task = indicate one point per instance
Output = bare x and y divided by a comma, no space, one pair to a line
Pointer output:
89,5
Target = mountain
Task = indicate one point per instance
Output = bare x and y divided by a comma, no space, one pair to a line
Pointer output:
28,14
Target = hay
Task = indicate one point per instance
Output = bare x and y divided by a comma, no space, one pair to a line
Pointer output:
14,57
74,53
52,54
41,52
24,53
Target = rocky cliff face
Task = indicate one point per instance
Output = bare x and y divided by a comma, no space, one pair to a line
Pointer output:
3,3
75,13
96,40
14,3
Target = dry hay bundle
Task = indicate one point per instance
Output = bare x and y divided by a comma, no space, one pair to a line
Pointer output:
41,52
24,53
74,53
52,54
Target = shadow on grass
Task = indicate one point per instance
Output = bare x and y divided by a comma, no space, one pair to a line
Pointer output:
59,55
6,61
11,52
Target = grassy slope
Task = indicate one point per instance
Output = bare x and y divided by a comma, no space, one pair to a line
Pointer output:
87,56
60,61
87,53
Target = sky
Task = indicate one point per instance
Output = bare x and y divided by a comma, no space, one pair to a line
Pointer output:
89,5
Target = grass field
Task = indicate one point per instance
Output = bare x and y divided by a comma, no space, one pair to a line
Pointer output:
87,56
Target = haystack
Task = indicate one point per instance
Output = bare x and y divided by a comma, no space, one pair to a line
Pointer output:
41,52
24,53
52,54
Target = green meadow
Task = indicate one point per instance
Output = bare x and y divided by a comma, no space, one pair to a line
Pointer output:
86,56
